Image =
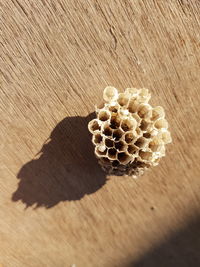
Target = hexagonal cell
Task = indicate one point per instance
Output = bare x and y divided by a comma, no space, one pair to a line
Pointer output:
123,158
115,121
120,146
161,123
144,125
145,155
114,108
144,95
112,153
97,138
123,99
100,151
109,142
157,113
104,115
144,110
155,144
166,137
117,134
128,124
110,94
129,137
141,142
94,126
133,105
132,149
107,130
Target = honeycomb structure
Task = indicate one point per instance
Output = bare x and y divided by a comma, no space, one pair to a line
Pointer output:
129,134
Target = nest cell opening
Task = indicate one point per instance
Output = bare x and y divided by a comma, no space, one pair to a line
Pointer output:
157,113
117,134
115,121
94,126
120,146
97,138
129,137
107,130
112,152
109,142
123,158
123,99
104,115
155,145
128,124
161,123
166,137
133,105
101,153
110,94
144,110
132,149
140,142
145,155
144,125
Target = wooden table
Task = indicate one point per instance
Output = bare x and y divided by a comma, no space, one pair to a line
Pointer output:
57,208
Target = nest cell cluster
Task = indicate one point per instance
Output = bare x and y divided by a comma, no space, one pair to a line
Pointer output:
129,134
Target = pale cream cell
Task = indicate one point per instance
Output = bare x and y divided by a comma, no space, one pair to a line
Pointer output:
110,94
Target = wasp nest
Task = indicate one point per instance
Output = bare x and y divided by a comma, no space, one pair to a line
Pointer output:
129,134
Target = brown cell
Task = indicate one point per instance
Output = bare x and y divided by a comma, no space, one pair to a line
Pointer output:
112,153
141,142
120,146
107,130
133,105
123,158
128,124
123,99
129,137
94,126
104,115
97,138
145,155
117,134
109,142
132,149
115,121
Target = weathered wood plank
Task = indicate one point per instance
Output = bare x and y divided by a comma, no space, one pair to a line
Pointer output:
56,57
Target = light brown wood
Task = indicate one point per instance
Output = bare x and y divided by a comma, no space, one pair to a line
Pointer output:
56,57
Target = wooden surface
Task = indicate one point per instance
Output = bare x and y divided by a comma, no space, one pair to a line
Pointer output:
57,208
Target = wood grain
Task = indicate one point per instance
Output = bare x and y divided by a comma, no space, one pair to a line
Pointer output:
57,208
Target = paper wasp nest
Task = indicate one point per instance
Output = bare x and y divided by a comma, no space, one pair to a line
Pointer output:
129,134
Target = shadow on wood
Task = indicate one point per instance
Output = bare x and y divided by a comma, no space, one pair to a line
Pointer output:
181,249
66,168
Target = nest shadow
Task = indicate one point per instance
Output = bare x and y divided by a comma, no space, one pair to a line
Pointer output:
65,169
